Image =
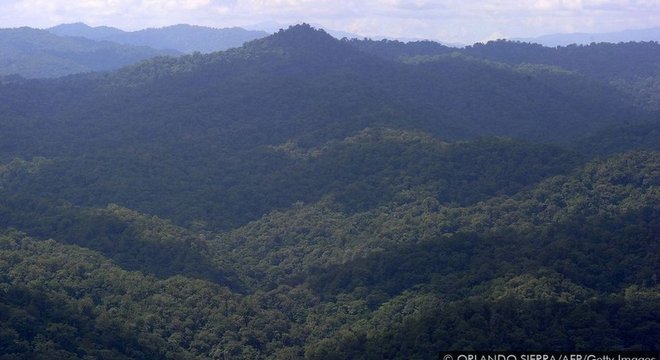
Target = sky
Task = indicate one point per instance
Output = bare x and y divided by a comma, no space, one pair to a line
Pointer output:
452,21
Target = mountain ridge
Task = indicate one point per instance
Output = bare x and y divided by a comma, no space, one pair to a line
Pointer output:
564,39
35,53
182,37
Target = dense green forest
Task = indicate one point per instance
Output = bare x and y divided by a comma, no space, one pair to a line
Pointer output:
307,197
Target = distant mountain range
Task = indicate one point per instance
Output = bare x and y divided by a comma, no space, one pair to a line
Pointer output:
34,53
183,38
76,48
652,34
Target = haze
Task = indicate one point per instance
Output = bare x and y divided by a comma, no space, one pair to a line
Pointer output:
442,20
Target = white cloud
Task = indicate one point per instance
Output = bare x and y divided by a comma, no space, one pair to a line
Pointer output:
494,36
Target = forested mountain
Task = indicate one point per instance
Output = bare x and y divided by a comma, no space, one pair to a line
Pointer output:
195,127
305,197
183,38
36,53
632,67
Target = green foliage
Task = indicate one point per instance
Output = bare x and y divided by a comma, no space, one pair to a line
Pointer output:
372,168
509,324
132,240
570,263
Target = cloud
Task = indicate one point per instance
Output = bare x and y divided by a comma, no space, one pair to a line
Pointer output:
449,20
494,36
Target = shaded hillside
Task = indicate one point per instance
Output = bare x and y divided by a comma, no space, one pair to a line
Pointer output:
36,53
183,38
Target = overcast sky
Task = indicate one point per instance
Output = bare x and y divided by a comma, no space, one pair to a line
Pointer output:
464,21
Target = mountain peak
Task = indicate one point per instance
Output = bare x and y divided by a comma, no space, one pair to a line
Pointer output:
303,34
83,30
75,25
307,45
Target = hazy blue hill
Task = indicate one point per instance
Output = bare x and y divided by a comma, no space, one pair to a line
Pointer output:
651,34
189,38
84,30
184,38
36,53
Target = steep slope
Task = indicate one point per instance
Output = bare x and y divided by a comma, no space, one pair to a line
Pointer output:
183,38
36,53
